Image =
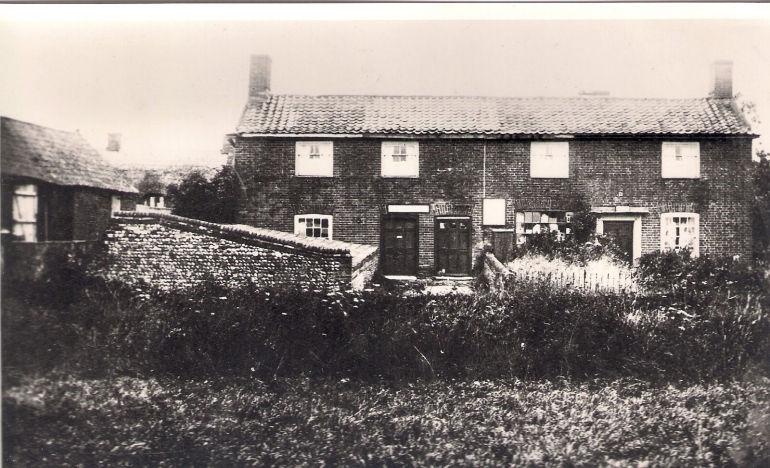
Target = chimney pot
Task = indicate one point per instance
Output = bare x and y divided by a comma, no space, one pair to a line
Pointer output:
259,77
113,142
722,79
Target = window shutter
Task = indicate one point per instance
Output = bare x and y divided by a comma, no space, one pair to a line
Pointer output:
687,166
395,167
319,167
549,159
25,213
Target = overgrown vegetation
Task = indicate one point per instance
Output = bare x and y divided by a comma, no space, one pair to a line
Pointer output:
703,320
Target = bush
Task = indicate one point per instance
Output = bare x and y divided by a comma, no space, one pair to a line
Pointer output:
681,280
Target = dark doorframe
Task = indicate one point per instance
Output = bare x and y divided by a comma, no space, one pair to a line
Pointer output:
452,245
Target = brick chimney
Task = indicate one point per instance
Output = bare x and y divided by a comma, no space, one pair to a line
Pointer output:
113,142
259,77
722,79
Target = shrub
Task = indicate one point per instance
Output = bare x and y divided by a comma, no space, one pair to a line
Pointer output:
681,280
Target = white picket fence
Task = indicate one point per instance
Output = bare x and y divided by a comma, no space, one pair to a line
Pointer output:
584,280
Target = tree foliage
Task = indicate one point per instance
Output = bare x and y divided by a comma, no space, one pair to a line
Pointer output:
761,215
215,201
151,183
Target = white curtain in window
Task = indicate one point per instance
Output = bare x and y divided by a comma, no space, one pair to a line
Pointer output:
679,231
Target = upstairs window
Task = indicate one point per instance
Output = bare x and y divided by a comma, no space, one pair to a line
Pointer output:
313,225
679,231
315,159
549,160
400,159
680,160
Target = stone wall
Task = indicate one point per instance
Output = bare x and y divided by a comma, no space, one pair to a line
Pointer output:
171,252
493,271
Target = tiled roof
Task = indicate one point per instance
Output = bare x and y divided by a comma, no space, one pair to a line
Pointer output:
289,114
56,157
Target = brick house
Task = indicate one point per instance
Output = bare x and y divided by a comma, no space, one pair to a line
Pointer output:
55,186
431,179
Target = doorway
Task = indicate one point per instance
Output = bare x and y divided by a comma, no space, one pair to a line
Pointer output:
453,246
622,235
399,245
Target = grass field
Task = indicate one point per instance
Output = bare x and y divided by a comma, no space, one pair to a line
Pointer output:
319,422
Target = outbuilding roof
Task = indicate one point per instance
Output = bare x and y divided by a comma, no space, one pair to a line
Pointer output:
433,115
56,157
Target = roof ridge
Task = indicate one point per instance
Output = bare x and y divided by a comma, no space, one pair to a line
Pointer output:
428,96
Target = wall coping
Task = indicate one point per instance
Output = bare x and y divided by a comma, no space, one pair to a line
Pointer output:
243,232
494,263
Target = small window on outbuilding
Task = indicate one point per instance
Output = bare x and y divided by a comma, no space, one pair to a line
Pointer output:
115,203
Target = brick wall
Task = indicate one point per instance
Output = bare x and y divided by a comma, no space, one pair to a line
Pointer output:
609,172
91,214
171,252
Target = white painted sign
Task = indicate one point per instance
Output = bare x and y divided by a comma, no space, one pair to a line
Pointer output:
408,208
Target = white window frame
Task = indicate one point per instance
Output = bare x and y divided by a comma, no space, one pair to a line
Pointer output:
314,159
668,243
549,160
680,160
300,228
493,212
400,159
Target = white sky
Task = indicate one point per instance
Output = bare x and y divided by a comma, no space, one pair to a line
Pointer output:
174,88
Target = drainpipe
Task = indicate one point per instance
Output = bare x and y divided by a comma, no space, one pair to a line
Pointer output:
484,174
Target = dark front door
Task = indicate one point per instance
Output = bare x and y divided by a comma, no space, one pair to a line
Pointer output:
622,234
399,245
453,246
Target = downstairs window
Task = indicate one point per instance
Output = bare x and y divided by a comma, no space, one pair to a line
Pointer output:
536,222
313,225
679,231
